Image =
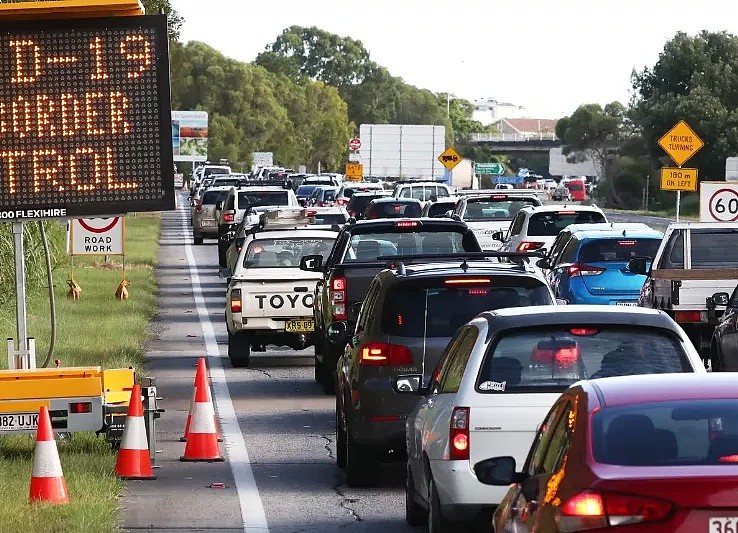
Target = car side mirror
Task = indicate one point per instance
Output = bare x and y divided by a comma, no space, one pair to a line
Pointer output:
544,263
720,298
409,384
498,236
219,205
337,334
311,263
638,265
498,471
561,301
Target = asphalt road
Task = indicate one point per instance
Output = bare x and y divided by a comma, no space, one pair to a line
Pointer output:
277,426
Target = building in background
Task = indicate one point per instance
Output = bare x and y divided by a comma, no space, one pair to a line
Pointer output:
490,110
535,128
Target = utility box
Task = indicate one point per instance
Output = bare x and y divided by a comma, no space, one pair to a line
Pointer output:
731,169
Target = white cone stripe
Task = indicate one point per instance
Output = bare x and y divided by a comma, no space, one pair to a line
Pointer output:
134,434
203,418
46,460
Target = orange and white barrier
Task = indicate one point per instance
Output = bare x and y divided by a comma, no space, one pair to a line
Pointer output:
47,479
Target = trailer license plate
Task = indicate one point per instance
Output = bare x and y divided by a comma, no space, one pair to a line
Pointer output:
299,326
723,524
18,421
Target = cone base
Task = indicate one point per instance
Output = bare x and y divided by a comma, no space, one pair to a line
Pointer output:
184,439
49,490
136,478
195,460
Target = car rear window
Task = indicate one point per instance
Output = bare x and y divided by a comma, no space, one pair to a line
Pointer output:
604,250
438,309
366,247
222,182
358,202
284,252
675,433
394,210
552,358
214,171
575,186
262,198
439,209
714,248
550,223
306,190
330,219
213,197
500,208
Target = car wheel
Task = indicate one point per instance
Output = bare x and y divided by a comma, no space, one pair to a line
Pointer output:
328,379
340,440
318,370
239,350
197,239
362,465
436,522
415,515
221,255
716,362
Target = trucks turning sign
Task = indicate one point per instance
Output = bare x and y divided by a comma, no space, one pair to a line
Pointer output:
97,236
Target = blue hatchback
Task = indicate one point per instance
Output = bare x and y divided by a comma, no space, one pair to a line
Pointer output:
589,265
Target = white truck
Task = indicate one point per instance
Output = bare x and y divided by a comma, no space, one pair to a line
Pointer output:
695,261
269,300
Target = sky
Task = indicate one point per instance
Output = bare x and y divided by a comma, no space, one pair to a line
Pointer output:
549,56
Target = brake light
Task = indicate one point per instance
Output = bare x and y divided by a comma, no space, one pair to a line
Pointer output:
236,301
626,243
477,292
338,298
584,270
499,197
728,459
526,246
230,216
592,510
384,354
584,332
459,434
341,201
690,316
467,281
311,213
78,408
566,212
198,207
406,224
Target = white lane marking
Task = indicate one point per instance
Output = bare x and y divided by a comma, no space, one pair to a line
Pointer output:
252,508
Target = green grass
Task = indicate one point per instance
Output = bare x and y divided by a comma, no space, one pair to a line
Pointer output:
96,330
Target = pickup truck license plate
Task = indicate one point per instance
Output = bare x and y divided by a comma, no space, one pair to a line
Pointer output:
724,524
18,421
208,223
302,326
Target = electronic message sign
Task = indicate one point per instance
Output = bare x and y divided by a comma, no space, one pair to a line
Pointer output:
85,117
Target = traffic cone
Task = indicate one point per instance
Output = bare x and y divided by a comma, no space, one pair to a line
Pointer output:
133,457
47,479
202,438
201,368
183,438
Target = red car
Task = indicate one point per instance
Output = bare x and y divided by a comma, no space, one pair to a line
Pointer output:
577,190
648,453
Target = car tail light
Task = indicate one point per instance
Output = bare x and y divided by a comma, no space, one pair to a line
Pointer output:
236,301
499,197
566,212
78,408
690,316
459,434
407,224
198,207
311,213
338,298
527,246
584,332
321,203
467,281
593,510
384,354
342,201
230,216
584,270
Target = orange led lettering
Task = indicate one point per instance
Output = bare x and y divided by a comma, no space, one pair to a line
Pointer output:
97,50
112,184
45,106
118,107
11,157
92,101
70,114
4,108
22,124
74,170
27,61
142,57
43,173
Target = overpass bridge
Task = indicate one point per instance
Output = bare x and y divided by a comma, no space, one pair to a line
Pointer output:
516,143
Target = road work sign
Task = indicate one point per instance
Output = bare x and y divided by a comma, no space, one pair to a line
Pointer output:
679,179
681,143
97,236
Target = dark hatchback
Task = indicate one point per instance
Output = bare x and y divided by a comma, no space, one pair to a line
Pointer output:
393,208
359,201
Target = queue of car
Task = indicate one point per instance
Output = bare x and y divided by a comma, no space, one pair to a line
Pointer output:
497,346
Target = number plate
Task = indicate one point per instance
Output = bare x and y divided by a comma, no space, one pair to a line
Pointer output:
724,524
299,326
628,304
18,421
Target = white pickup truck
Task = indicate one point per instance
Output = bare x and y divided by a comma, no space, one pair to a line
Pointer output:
269,299
695,261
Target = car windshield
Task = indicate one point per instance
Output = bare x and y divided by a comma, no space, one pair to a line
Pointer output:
367,247
305,190
213,197
549,359
675,433
437,310
502,208
604,250
549,224
394,210
262,198
284,252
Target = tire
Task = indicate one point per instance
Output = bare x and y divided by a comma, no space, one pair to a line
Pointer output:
197,239
318,371
340,440
415,515
362,466
436,522
222,255
239,350
328,379
716,362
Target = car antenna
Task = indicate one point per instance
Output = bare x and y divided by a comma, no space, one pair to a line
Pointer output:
623,233
464,265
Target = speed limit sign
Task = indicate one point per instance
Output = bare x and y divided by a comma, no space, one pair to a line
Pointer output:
718,201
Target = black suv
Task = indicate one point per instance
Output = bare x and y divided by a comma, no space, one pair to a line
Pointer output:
409,315
359,201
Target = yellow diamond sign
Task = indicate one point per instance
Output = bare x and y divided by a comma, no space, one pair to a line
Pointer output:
449,158
681,143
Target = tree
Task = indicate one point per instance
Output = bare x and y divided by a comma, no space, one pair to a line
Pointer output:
174,20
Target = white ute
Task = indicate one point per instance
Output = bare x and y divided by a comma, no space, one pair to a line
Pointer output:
269,299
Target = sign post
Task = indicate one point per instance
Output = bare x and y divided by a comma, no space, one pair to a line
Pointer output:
681,143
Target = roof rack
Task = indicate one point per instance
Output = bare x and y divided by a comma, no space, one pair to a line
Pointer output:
464,255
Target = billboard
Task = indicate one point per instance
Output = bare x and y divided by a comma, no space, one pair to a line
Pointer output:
190,135
402,151
84,116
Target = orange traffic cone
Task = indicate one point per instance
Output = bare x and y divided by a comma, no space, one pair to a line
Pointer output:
133,457
47,479
201,368
202,438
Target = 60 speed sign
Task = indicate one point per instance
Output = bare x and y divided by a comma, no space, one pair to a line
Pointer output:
718,202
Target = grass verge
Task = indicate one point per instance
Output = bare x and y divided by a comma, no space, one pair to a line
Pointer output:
96,330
